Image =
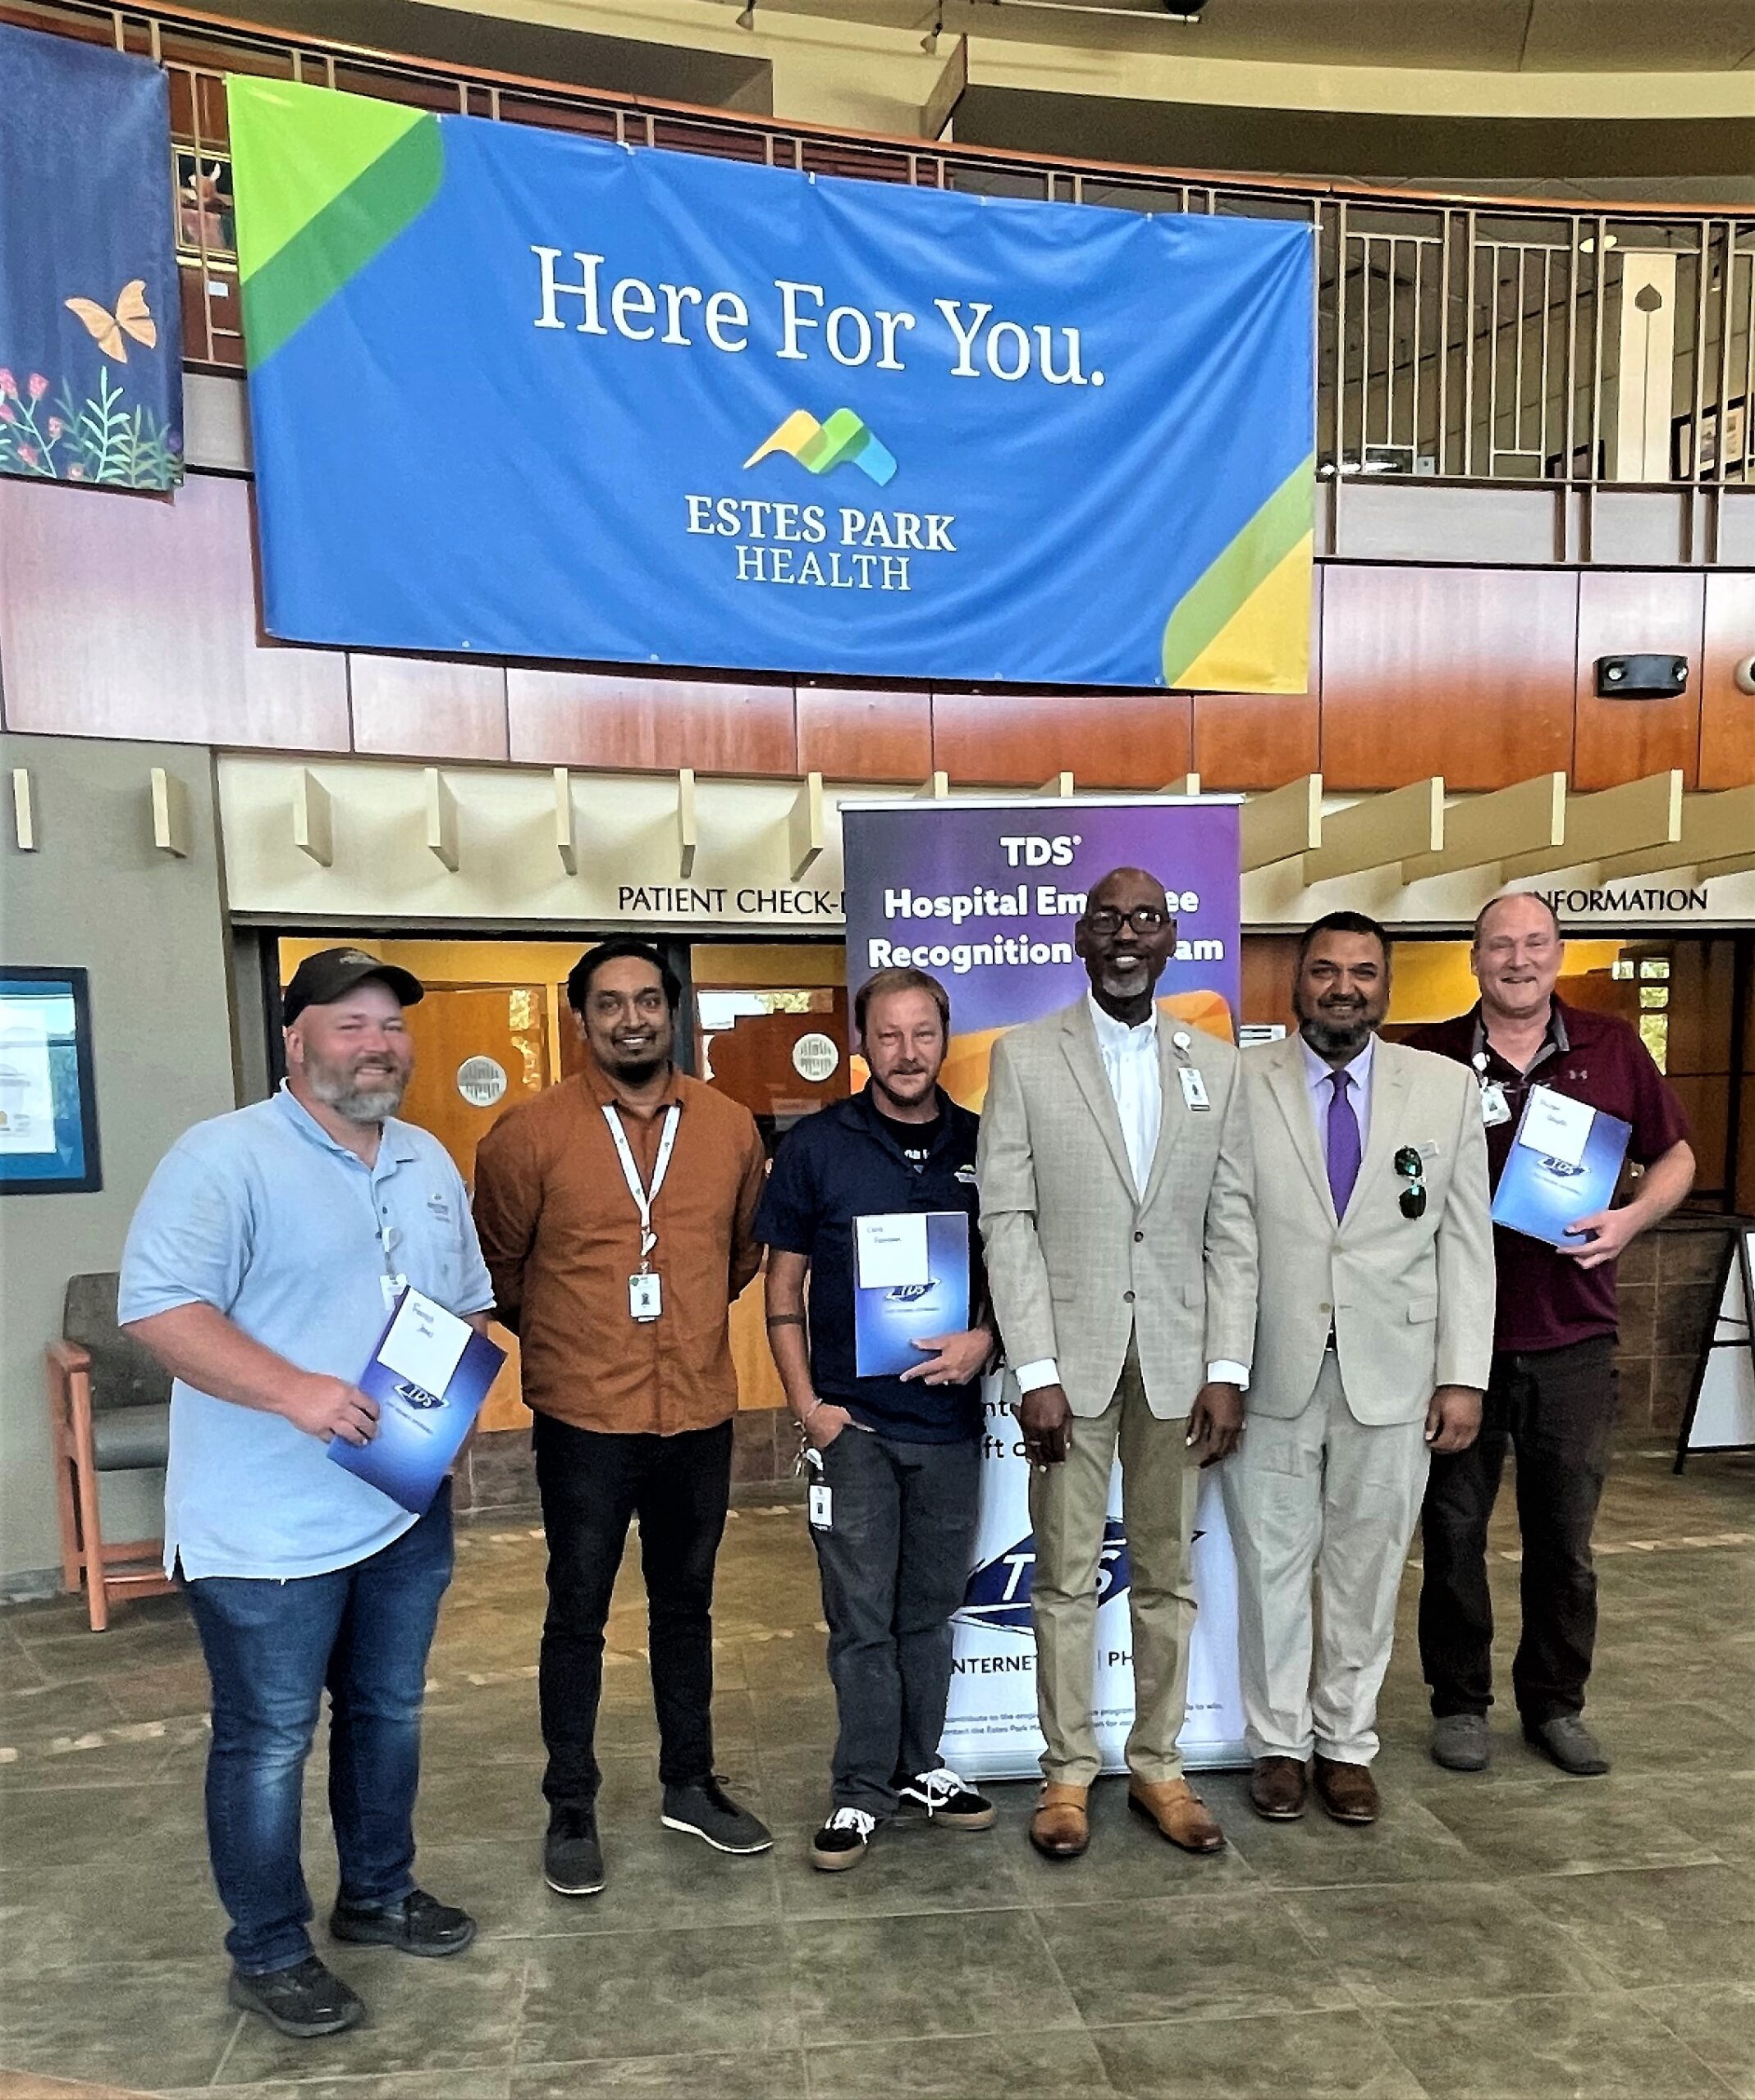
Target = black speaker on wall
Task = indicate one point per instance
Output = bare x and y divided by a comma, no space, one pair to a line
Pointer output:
1641,678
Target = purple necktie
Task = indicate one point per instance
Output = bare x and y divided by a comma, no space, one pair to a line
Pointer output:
1343,1144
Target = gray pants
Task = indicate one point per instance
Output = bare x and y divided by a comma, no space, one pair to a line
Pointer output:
894,1559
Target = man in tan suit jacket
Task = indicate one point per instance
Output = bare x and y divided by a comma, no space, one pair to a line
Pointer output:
1371,1349
1114,1173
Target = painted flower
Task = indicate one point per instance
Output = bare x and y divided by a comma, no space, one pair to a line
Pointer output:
56,426
39,386
8,414
8,385
75,473
28,454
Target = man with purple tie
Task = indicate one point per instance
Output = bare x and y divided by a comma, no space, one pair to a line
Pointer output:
1373,1337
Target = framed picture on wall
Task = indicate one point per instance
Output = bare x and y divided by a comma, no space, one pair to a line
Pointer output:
48,1106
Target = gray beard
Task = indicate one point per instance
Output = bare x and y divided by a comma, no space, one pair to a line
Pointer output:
358,1104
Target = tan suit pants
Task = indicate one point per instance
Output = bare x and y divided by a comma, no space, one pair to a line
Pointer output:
1326,1498
1068,1507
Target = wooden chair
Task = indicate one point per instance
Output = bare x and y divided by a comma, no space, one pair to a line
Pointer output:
109,1405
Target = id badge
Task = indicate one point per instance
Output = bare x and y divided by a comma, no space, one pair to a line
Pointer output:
1495,1108
645,1296
821,1505
1193,1086
392,1287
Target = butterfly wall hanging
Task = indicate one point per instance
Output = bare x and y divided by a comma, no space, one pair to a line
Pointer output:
132,318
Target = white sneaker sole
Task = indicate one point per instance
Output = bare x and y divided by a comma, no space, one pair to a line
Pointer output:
596,1888
694,1830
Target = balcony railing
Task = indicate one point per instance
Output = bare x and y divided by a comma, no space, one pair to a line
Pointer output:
1479,340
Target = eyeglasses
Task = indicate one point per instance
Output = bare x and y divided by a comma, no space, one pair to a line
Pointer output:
1144,919
1411,1168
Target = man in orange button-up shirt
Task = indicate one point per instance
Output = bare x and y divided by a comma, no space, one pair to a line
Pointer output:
615,1211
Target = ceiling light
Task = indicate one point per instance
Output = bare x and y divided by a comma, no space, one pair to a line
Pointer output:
929,43
1587,245
746,20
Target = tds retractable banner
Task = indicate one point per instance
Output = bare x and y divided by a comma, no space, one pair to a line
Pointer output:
983,894
524,394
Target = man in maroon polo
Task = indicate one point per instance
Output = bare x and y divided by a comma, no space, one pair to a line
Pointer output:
1552,1397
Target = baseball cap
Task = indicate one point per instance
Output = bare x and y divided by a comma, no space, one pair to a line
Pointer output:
331,973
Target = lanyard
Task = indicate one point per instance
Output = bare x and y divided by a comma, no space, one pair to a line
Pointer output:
644,1198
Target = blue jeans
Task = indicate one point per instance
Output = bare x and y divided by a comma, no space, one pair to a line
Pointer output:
271,1648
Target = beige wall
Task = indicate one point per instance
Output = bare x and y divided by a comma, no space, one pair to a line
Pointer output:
862,75
149,927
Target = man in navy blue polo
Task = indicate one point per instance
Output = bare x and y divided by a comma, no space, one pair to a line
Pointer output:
895,1458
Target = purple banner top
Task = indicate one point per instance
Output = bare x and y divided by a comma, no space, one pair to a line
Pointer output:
985,896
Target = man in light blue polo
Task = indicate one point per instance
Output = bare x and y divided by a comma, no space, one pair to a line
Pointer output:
260,1269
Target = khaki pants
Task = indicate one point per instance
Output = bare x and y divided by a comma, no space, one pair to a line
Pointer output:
1068,1505
1326,1497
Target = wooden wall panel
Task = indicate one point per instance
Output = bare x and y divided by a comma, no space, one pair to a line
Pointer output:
428,707
1727,717
1466,672
135,617
623,718
861,733
1019,739
1616,740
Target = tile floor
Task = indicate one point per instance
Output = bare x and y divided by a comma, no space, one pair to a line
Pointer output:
1510,1938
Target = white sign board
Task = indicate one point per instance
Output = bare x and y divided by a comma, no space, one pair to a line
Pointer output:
1723,1416
990,1730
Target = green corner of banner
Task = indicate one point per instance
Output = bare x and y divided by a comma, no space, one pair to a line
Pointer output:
324,181
1244,625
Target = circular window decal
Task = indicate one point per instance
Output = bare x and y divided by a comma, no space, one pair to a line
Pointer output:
815,1056
481,1081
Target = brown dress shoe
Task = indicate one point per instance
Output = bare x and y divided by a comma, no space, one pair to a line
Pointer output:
1178,1813
1348,1792
1277,1789
1060,1828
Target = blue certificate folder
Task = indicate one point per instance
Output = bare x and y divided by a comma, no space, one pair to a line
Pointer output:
888,1319
419,1431
1539,1196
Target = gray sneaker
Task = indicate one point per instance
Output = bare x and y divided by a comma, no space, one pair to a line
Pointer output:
1461,1742
1568,1744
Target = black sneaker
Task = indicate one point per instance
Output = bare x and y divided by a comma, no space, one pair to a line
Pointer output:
572,1858
418,1924
843,1840
304,2000
948,1800
706,1810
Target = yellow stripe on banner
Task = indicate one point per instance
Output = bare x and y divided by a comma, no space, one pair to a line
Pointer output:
1265,645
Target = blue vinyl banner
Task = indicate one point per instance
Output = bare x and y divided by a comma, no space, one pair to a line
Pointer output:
528,395
91,377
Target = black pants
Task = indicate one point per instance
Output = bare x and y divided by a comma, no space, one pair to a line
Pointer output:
590,1483
894,1559
1556,1409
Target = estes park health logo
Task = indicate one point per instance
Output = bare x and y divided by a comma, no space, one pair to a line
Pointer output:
999,1591
844,441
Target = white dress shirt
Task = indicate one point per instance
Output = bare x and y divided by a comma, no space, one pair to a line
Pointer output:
1316,1075
1129,1064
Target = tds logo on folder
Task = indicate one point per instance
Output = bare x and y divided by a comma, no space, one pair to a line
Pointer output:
1564,1164
911,1271
429,1374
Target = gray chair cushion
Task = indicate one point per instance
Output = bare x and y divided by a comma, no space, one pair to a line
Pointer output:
128,1438
125,1378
